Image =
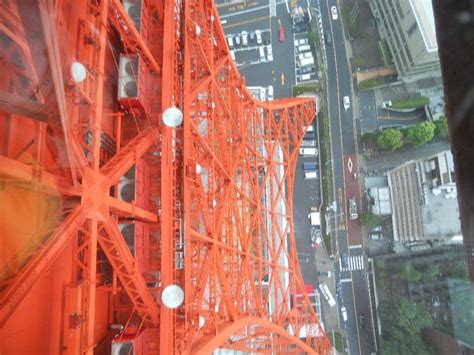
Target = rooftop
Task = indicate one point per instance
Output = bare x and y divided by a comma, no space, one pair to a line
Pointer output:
423,11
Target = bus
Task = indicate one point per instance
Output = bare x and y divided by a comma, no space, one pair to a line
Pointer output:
327,294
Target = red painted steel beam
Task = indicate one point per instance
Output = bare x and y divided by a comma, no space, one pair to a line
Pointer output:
116,167
45,181
128,272
130,36
21,106
39,264
130,210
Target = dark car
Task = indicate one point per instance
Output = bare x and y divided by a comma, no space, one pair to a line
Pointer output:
345,260
327,37
237,40
252,36
265,38
362,321
300,28
306,70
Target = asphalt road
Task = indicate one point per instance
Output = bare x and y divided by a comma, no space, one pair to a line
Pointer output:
353,287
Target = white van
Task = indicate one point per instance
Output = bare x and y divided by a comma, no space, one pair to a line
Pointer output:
308,151
261,52
304,48
310,175
305,62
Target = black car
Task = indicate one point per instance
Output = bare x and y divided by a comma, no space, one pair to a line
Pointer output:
237,40
252,36
345,260
265,38
362,321
327,37
306,70
300,28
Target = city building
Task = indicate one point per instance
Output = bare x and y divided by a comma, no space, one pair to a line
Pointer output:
408,28
423,197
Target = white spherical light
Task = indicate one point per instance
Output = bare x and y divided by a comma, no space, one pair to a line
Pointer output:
172,117
78,72
172,296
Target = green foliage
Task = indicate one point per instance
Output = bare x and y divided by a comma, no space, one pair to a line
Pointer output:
390,139
432,272
313,37
386,54
410,273
369,220
413,102
359,62
371,83
422,133
301,89
459,270
442,127
402,322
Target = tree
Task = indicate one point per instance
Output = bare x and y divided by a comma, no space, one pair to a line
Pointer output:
369,220
390,139
432,272
442,127
402,322
410,273
421,134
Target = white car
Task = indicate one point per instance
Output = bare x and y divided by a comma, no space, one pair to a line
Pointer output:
258,36
232,54
344,313
346,102
263,94
308,151
387,104
269,53
245,38
270,93
301,42
230,42
334,12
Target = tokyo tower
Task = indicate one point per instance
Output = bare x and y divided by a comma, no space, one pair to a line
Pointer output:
145,195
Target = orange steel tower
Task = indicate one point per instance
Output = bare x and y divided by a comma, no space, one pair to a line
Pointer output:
145,196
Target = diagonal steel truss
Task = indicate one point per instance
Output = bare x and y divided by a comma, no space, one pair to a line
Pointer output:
224,180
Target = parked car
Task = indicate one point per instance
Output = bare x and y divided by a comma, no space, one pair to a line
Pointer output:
252,36
375,236
387,104
270,93
245,38
265,38
263,94
301,42
308,151
258,36
334,12
300,28
324,273
306,70
237,40
281,34
346,102
269,54
230,42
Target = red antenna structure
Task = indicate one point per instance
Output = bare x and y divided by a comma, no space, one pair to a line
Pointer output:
146,197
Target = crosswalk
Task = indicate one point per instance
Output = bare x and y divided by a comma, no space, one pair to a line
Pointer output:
353,263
